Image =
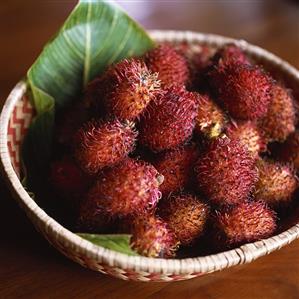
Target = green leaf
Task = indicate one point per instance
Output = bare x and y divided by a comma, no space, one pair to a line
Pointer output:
96,34
36,149
120,243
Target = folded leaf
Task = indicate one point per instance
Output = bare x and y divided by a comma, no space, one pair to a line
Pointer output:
96,34
120,243
36,149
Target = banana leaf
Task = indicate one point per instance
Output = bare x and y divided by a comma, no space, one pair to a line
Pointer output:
119,243
96,34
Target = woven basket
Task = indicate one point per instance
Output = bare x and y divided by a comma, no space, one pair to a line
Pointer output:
15,118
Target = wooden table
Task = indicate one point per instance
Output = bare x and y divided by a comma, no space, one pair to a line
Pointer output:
29,267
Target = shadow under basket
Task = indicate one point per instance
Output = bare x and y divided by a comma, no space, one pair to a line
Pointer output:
15,119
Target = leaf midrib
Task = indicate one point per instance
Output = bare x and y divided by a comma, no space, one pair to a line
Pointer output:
87,59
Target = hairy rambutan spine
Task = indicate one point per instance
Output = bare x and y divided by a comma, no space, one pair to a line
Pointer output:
243,90
210,119
226,172
131,187
249,135
152,237
169,120
176,166
131,86
171,66
280,119
100,144
246,222
276,184
186,215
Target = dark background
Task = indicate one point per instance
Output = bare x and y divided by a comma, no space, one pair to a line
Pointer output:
29,267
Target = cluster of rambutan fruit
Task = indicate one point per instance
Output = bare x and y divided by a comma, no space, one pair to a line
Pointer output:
173,145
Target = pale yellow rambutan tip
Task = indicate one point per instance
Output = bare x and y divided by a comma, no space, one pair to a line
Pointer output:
210,119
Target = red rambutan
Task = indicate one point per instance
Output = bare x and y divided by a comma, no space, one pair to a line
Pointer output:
230,54
94,95
151,237
68,179
198,58
276,183
246,222
243,90
176,166
131,187
289,150
249,135
171,66
279,121
226,172
197,55
93,219
169,120
100,144
71,120
131,86
210,119
186,215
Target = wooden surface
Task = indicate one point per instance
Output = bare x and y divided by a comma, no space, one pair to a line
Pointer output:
29,267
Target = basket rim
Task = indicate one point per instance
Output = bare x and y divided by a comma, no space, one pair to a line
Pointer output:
202,264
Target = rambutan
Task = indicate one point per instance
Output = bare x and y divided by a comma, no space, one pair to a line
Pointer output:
246,222
171,66
68,179
100,144
94,95
279,121
70,121
210,119
226,172
151,237
230,54
131,187
93,219
276,183
169,120
243,90
131,86
176,166
198,58
197,55
249,135
289,150
186,215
